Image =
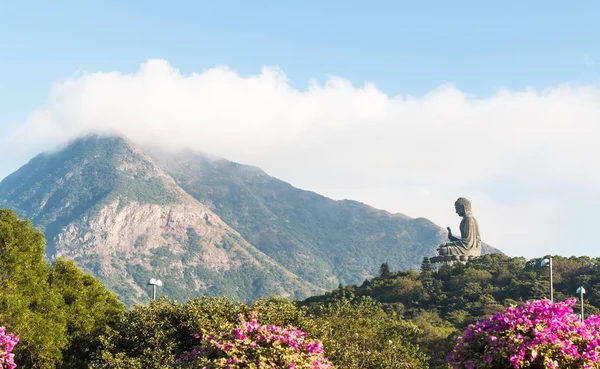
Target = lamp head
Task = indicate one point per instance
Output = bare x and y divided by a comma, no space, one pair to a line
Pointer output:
155,282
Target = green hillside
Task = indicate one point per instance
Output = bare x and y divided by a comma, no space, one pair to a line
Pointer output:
443,303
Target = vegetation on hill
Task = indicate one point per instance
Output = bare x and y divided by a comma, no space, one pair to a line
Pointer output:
445,302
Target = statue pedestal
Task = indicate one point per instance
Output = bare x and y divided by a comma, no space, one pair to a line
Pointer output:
438,261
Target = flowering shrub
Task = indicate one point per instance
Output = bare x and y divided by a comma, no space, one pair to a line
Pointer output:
254,346
7,343
537,335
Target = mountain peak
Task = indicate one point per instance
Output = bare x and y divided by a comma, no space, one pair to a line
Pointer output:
104,203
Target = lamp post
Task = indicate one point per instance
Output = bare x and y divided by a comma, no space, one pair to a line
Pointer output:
154,282
581,291
548,261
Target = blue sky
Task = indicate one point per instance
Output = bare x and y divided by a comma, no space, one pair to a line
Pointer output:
401,46
406,49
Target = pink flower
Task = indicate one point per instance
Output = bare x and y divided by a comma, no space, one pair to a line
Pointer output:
241,345
522,335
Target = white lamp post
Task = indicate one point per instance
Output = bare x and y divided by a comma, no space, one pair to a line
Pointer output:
154,282
548,261
581,291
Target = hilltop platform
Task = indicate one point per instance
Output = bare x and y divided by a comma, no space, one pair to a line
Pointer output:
438,261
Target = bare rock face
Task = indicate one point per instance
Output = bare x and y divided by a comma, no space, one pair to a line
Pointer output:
173,242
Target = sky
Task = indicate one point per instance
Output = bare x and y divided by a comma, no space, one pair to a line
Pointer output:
405,106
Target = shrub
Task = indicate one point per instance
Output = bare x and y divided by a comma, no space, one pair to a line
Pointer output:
254,346
7,343
539,334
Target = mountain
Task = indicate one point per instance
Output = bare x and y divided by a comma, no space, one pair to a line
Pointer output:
105,204
326,242
203,225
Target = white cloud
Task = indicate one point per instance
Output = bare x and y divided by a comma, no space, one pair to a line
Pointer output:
518,155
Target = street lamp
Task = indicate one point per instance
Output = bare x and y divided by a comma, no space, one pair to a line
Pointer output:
154,282
581,291
548,261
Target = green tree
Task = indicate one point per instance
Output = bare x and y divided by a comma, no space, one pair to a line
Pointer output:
28,306
358,333
152,336
384,270
89,306
434,338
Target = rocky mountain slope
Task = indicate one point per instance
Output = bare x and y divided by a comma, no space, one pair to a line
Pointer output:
105,204
203,225
325,241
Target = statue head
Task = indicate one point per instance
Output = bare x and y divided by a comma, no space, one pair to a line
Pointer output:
463,206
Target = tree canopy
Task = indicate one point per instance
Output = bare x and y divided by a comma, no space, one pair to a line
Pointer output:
56,310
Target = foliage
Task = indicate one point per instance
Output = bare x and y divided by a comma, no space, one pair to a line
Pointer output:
384,270
7,343
152,336
358,333
57,311
252,345
89,306
443,303
433,339
539,334
28,306
354,332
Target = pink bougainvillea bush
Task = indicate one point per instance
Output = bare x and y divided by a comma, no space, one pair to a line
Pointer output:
539,334
255,346
7,343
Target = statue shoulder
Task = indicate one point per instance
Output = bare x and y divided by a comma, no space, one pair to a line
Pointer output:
469,220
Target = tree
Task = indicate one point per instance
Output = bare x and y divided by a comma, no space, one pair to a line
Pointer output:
57,312
28,306
384,270
434,337
425,267
153,336
360,334
90,308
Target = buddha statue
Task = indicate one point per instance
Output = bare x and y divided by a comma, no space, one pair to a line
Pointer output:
469,243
